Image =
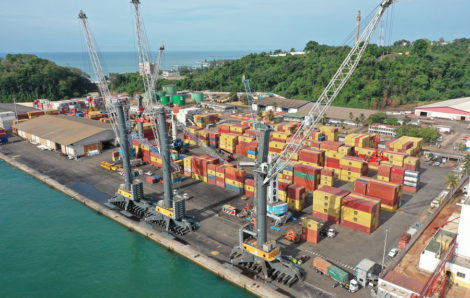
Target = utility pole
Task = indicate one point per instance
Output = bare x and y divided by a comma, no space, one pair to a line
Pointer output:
358,24
385,248
14,105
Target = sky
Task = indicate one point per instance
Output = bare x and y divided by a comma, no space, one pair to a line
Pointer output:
218,25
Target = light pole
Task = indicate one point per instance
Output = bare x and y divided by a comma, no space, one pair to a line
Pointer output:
385,247
14,105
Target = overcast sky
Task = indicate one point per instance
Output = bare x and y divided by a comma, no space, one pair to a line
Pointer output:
188,25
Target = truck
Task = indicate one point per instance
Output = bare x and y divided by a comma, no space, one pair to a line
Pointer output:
340,276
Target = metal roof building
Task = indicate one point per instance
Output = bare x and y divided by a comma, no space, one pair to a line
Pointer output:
335,114
453,109
282,104
74,136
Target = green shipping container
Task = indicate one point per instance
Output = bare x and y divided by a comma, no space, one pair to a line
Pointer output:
165,100
338,274
305,176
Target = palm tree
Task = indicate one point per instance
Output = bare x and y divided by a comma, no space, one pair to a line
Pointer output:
341,122
357,121
362,118
351,116
451,181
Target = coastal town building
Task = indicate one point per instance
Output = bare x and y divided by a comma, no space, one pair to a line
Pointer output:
73,136
383,129
452,109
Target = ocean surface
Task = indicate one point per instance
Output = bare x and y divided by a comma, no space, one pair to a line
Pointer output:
53,246
122,62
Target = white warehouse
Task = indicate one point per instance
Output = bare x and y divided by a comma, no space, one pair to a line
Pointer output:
453,109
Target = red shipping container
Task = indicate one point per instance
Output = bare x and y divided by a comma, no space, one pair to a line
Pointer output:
235,174
250,182
386,191
308,184
314,156
295,192
332,163
360,186
384,170
351,169
326,217
411,167
360,204
357,227
409,189
310,235
327,173
282,185
331,145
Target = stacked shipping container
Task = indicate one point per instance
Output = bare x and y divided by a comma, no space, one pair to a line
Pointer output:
360,213
327,203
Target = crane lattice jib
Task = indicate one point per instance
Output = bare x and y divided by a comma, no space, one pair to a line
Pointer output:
149,77
328,95
102,83
151,103
249,98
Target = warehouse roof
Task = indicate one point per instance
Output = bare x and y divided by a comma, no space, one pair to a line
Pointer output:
339,112
64,130
10,107
281,102
457,103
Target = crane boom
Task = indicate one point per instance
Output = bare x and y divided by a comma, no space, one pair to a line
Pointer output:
329,94
102,83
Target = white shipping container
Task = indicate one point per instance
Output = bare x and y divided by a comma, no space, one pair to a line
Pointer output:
411,173
411,179
412,184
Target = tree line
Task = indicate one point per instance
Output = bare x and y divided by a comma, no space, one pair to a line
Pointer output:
405,72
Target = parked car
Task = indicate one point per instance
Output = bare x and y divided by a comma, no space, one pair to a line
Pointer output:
331,233
393,252
436,164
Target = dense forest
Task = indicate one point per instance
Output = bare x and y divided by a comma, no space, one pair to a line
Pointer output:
406,72
27,77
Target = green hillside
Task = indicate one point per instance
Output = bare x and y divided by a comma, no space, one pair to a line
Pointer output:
28,77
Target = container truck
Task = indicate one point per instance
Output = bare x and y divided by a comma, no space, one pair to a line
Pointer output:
340,276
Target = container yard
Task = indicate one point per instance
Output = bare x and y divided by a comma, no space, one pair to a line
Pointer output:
280,207
358,207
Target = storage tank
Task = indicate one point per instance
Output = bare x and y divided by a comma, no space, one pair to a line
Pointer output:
165,100
170,89
197,97
160,94
176,99
182,100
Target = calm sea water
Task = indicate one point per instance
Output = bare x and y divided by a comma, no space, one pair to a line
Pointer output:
53,246
122,62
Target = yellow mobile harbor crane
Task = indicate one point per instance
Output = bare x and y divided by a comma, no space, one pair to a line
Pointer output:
254,251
